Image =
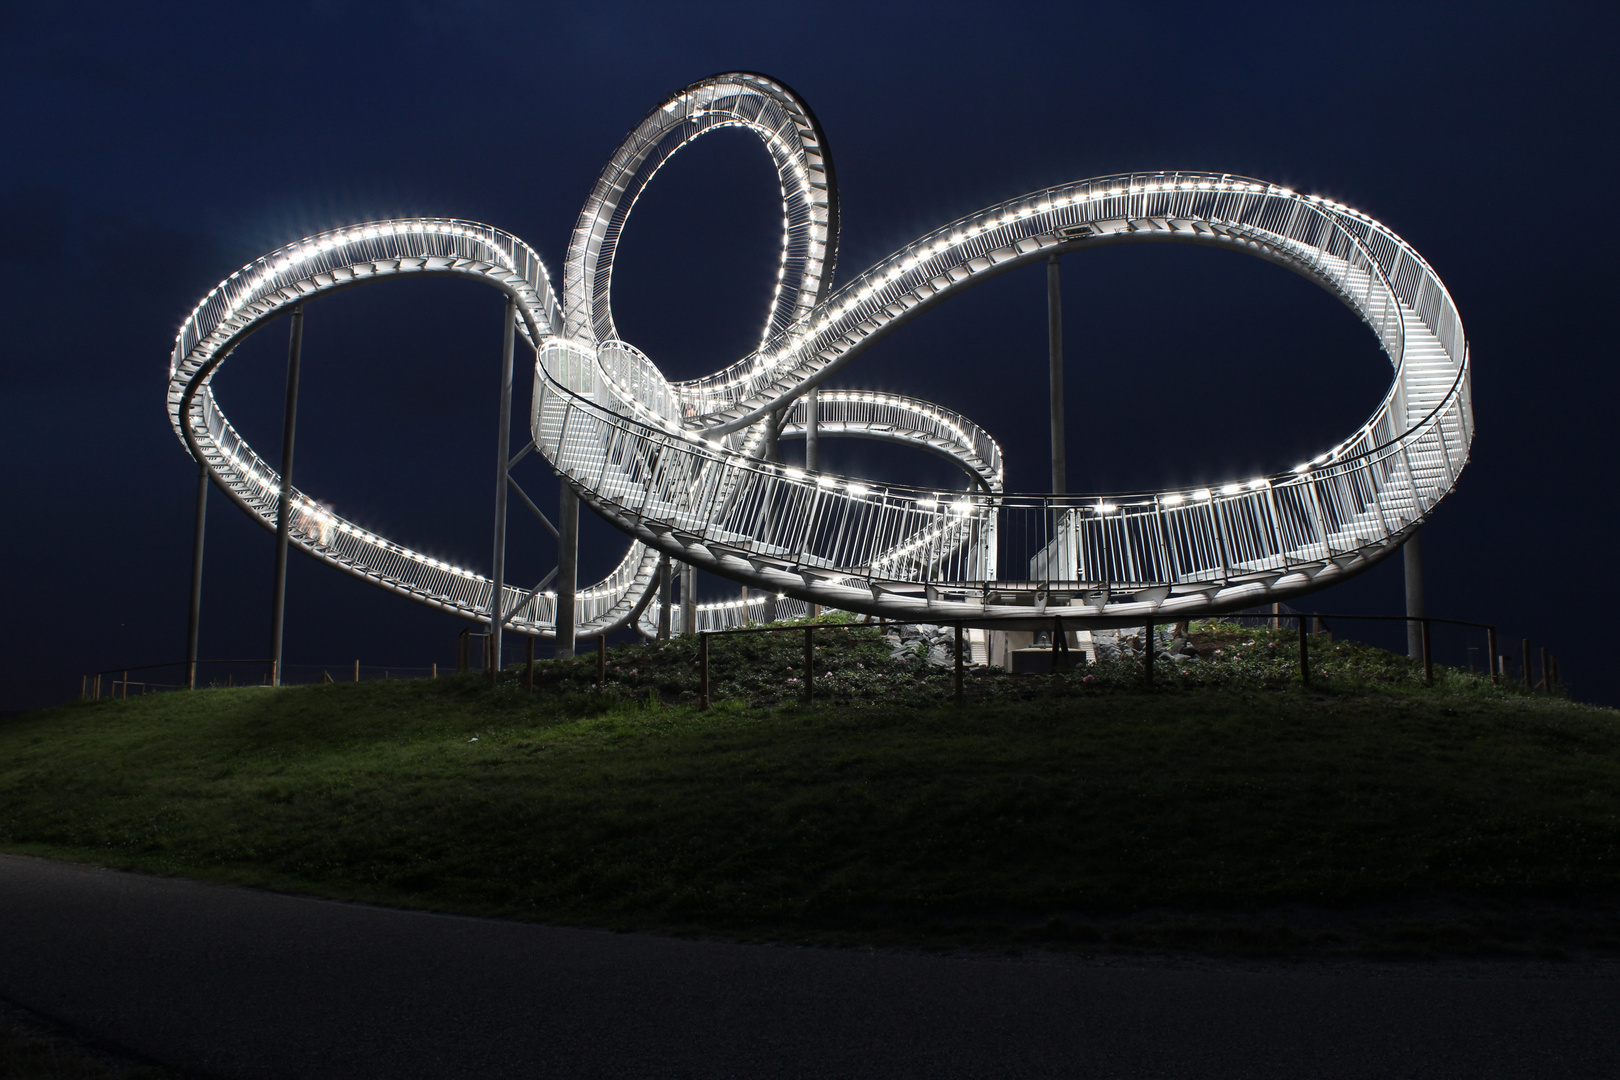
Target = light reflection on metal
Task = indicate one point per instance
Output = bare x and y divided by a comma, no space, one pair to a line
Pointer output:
675,464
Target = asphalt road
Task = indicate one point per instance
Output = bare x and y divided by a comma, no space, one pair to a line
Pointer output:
241,983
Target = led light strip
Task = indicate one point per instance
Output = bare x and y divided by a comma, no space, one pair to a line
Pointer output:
658,475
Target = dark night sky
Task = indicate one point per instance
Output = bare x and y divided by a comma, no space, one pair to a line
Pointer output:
150,150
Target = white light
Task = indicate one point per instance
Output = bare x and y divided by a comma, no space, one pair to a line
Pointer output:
1201,494
1257,485
1173,500
1231,489
793,474
860,491
1106,508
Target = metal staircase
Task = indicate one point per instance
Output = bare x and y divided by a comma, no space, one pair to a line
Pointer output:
676,465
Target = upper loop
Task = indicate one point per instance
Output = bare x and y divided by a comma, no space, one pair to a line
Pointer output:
798,149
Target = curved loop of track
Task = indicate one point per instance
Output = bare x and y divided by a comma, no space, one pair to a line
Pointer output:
674,465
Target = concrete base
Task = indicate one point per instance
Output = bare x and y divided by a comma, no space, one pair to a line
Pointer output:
1038,661
1003,644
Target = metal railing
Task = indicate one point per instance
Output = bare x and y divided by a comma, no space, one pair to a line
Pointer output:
1178,549
869,414
673,464
340,259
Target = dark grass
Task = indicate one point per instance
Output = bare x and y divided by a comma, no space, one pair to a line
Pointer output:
1225,811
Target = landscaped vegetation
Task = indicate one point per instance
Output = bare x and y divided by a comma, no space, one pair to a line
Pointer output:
1226,809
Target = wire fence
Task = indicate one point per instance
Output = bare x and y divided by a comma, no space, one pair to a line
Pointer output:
1476,647
139,679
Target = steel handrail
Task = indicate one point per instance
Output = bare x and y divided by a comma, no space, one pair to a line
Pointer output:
698,494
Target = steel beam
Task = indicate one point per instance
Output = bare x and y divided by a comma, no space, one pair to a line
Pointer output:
812,430
503,452
199,532
289,426
1412,556
567,568
666,597
688,598
1054,349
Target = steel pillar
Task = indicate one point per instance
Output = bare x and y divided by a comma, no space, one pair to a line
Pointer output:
812,463
666,597
289,424
567,567
1412,556
503,457
812,430
771,451
1054,348
199,531
688,599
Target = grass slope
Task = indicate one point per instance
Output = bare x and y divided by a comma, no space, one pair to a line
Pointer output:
1227,809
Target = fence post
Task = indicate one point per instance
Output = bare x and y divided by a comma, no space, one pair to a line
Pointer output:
1428,656
126,685
1494,660
1147,653
528,661
84,688
601,660
809,664
958,684
1304,653
1546,669
1524,674
703,670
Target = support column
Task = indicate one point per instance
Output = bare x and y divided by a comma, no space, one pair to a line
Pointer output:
1412,556
666,597
772,451
1054,348
198,533
688,599
567,567
812,462
503,454
812,430
289,424
772,448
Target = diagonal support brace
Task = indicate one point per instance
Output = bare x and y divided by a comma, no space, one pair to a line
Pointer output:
529,599
520,455
513,484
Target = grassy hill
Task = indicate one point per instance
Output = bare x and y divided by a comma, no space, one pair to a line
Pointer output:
1227,809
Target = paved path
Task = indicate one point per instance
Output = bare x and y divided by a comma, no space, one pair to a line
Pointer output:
246,984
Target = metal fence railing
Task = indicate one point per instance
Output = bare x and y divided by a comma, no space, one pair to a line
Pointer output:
610,423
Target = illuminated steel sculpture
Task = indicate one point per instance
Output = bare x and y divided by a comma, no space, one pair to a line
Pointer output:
679,467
